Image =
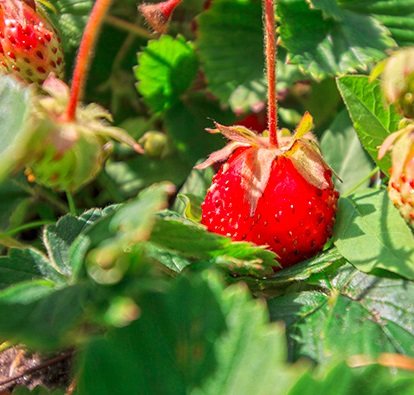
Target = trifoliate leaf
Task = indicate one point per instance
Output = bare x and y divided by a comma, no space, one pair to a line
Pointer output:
371,234
325,38
352,313
196,337
372,120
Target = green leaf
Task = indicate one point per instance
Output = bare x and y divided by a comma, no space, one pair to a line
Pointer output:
15,133
330,9
396,15
119,230
192,240
352,313
371,234
309,271
172,260
331,40
186,123
192,206
251,356
165,70
58,238
38,390
26,265
196,337
344,380
131,176
46,323
230,42
344,152
372,120
27,292
71,20
196,184
14,202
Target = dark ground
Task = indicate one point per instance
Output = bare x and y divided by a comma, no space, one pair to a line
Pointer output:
34,369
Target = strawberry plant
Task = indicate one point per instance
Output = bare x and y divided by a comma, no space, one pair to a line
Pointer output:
194,203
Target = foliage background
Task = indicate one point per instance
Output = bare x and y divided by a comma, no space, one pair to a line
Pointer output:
152,302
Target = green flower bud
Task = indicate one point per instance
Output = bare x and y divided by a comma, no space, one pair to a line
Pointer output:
155,144
398,81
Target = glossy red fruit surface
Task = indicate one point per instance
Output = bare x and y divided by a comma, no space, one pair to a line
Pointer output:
293,217
29,44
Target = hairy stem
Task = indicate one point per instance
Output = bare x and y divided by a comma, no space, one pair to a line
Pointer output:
84,57
71,202
270,53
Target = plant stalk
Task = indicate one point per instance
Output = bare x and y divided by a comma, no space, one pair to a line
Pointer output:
128,26
361,182
270,54
83,60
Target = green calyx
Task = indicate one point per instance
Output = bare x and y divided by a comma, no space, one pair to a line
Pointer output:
70,154
301,148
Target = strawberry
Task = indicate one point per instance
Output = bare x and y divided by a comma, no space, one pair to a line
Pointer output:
254,121
282,197
401,183
66,154
29,44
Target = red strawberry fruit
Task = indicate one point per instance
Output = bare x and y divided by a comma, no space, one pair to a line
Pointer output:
29,45
282,197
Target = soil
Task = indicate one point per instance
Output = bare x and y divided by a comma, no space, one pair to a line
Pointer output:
19,367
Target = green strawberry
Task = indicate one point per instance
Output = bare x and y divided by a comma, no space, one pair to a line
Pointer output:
70,154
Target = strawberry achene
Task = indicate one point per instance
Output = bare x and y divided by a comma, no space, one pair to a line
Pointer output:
29,45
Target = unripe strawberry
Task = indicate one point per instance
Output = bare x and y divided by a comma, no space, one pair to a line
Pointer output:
401,183
281,197
29,45
398,81
71,153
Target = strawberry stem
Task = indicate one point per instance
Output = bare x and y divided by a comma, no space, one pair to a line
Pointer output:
84,57
270,53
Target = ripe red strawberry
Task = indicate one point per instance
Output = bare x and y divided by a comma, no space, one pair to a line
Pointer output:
280,197
29,45
401,183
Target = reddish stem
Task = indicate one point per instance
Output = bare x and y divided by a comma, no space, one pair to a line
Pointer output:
84,57
270,52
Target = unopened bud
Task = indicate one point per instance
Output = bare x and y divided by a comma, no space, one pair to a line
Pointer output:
158,15
398,81
155,144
